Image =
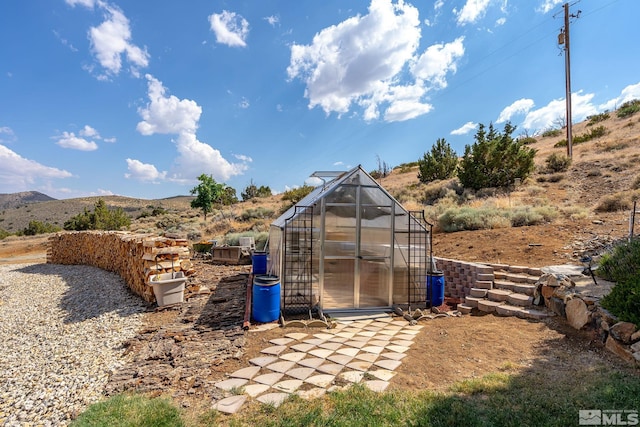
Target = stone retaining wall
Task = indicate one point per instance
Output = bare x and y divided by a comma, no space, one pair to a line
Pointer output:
460,276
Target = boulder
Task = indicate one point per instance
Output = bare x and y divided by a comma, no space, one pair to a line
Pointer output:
578,315
635,337
622,331
557,306
620,350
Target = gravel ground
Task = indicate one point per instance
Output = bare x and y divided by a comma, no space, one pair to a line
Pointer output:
62,330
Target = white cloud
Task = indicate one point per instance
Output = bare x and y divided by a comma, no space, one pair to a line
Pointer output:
143,171
110,140
629,93
243,158
171,115
230,28
85,3
167,114
20,174
548,5
472,11
360,61
521,106
439,60
70,140
501,21
272,20
89,132
438,5
464,129
244,103
110,41
6,134
544,118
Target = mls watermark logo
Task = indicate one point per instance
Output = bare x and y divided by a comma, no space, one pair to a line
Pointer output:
608,417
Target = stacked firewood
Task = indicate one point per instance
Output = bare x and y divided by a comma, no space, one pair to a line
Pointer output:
135,257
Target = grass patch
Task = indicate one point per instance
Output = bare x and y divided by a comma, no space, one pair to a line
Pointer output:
628,109
126,410
620,201
597,118
551,133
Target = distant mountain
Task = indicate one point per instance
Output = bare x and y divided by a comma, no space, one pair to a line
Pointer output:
13,200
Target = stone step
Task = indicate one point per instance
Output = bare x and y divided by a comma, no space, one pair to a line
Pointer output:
472,301
499,275
478,292
520,278
524,288
534,314
499,295
483,284
488,306
485,277
504,284
532,271
509,310
520,299
464,308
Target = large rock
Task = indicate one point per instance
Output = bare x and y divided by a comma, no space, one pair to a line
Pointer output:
620,350
577,312
557,306
622,331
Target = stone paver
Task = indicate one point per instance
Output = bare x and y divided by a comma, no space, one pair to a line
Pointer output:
230,405
232,383
273,399
376,385
288,386
360,351
275,350
321,380
246,373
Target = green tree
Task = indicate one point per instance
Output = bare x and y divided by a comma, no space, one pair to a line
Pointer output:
228,196
38,227
440,163
495,159
207,193
100,219
251,191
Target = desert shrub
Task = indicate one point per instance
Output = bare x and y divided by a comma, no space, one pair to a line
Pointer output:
527,215
628,109
574,212
527,140
441,189
556,177
593,173
551,133
467,218
557,163
594,133
495,159
100,219
256,213
155,211
260,238
617,201
622,266
636,183
4,234
38,227
440,163
597,118
405,167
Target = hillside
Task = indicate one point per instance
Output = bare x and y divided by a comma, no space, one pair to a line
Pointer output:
604,169
13,200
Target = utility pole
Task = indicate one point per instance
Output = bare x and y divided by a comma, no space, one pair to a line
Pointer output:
563,39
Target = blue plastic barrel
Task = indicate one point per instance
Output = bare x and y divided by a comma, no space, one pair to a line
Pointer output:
259,263
435,288
266,298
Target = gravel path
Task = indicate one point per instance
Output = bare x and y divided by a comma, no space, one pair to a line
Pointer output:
61,335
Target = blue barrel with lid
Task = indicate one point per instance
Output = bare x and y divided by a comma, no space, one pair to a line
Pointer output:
259,263
435,288
266,298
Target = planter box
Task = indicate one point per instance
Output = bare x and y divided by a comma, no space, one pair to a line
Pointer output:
168,287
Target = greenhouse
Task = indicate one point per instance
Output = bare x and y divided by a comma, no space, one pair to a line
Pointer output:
350,245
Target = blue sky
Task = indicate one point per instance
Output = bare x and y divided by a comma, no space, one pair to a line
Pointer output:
138,98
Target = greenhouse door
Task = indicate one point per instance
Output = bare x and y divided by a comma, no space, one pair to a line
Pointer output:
356,255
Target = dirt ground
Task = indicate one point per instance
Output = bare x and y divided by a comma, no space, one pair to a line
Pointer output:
448,350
